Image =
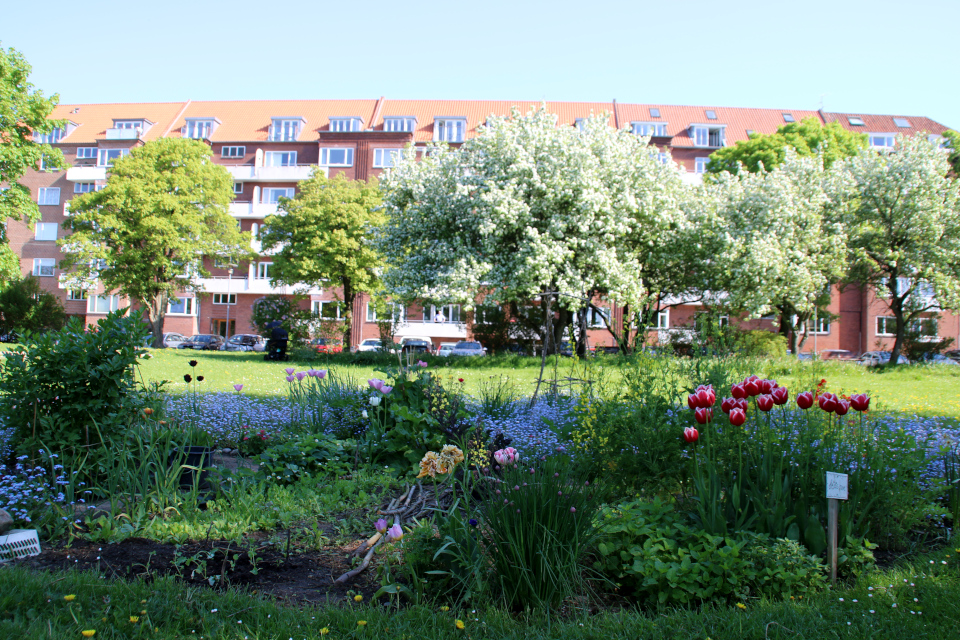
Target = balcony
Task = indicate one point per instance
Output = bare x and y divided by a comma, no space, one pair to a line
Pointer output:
123,134
250,173
252,209
86,174
224,284
426,329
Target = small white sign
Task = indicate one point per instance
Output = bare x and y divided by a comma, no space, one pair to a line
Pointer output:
837,486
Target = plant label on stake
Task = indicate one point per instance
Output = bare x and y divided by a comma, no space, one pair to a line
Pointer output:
837,489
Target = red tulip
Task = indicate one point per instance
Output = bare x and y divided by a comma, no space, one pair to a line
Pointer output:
727,404
742,404
690,435
765,402
737,417
766,386
703,415
780,395
842,407
805,400
828,402
860,402
752,387
692,401
737,391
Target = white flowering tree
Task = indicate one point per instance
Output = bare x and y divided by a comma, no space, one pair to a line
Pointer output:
903,224
783,250
525,209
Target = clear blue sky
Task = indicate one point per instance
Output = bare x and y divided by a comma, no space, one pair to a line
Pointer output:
856,56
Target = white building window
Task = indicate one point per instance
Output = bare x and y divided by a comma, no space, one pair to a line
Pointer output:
326,309
385,158
272,195
86,153
86,187
398,124
76,294
882,140
336,157
285,129
280,159
855,121
399,313
233,152
128,124
238,188
700,165
903,123
48,138
183,307
596,318
46,164
103,304
663,319
928,328
886,326
263,270
346,125
446,313
788,117
223,298
44,266
709,136
199,129
48,195
449,129
46,231
658,129
106,157
820,326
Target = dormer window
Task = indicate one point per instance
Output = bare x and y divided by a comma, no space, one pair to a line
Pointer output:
788,117
578,123
128,129
658,129
882,140
286,129
654,113
49,138
705,135
346,125
449,129
711,114
399,124
855,121
903,123
199,128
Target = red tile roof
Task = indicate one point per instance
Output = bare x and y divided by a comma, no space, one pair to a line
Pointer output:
885,124
95,119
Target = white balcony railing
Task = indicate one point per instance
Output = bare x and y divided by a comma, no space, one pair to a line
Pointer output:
250,173
123,134
252,209
86,174
223,284
426,329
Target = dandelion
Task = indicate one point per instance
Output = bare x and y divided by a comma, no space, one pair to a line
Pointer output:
324,631
358,598
70,598
444,608
740,605
460,625
134,619
361,623
88,633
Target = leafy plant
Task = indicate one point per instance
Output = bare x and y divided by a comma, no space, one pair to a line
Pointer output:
304,456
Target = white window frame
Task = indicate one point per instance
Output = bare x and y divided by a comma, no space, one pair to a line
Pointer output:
448,311
654,129
238,188
905,123
348,124
399,124
272,195
449,129
189,306
233,151
46,231
399,313
263,270
87,153
917,325
821,328
889,327
111,303
285,129
280,159
788,117
45,164
53,137
48,196
855,121
199,128
224,298
86,187
889,140
326,154
594,319
129,124
700,165
44,267
76,294
663,319
702,135
103,156
386,158
317,307
723,321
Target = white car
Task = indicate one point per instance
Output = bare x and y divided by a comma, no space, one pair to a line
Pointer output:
445,349
173,340
370,344
468,349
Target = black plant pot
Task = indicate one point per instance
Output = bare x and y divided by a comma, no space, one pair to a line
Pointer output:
192,460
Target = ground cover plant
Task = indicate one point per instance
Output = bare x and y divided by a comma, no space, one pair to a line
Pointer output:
630,485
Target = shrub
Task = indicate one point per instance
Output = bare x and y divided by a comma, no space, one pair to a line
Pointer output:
285,310
26,306
783,567
761,344
304,456
253,442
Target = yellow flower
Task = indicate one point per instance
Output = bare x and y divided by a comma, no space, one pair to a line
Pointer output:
460,625
358,598
89,633
144,612
361,623
70,598
740,605
444,608
134,619
324,631
453,452
428,466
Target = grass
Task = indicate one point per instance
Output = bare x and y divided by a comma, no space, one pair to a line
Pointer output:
927,390
918,600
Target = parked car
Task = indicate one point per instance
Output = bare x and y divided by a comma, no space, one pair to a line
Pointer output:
445,349
244,342
953,354
878,358
804,355
836,354
203,342
416,345
173,340
937,358
327,345
468,349
370,344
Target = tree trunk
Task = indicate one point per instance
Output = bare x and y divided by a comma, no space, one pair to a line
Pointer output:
582,333
563,321
348,295
896,305
156,310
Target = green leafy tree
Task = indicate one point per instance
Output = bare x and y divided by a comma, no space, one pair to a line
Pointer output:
903,225
23,119
953,145
25,306
145,234
287,311
804,137
322,237
527,209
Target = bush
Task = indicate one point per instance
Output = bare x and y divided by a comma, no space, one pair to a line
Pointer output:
761,344
304,456
783,567
285,310
25,306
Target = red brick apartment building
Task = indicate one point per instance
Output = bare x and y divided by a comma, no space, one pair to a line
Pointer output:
269,146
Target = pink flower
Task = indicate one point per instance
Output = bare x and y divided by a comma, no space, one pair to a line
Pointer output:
506,456
421,363
289,371
381,526
376,383
395,532
385,389
301,375
289,378
238,387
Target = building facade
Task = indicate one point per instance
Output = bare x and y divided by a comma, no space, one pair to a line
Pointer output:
270,146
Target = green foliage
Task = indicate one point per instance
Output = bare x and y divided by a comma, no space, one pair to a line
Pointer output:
73,391
304,456
855,558
805,137
953,144
253,442
761,344
26,306
23,113
287,311
145,234
660,557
